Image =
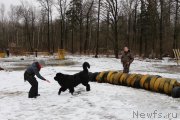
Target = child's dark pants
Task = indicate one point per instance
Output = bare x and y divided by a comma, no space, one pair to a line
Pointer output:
33,92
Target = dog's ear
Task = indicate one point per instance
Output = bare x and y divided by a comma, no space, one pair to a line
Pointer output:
88,65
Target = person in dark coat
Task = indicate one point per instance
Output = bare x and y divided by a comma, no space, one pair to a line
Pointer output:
29,76
7,52
126,59
36,51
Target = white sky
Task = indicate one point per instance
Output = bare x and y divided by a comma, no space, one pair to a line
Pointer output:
8,3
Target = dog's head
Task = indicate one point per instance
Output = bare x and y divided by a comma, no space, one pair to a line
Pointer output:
86,65
59,76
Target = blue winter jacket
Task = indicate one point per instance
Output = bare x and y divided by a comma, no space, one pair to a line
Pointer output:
33,70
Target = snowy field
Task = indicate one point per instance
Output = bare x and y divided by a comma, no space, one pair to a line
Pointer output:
103,102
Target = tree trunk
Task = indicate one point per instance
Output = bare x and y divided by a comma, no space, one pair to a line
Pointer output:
142,28
107,34
48,34
175,46
52,33
134,26
97,39
81,27
87,34
116,30
72,41
161,28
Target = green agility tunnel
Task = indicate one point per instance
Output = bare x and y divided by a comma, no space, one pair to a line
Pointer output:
148,82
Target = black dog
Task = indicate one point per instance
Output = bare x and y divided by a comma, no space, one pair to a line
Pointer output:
71,81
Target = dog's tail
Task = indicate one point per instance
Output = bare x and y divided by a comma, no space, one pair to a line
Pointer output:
86,65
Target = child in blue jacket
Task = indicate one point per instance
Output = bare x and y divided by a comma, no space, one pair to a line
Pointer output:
29,76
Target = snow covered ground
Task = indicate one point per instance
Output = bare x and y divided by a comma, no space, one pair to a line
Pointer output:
103,102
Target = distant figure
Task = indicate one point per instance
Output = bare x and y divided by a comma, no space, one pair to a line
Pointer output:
36,52
7,52
51,52
29,75
126,59
1,69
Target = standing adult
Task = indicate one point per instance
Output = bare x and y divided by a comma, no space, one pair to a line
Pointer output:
126,59
7,52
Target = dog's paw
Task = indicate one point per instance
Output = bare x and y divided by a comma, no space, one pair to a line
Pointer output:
88,89
59,93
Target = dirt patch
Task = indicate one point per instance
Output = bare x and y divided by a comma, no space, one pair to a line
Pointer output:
10,94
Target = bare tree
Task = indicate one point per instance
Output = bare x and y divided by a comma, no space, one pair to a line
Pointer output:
175,42
98,24
114,10
88,13
14,18
2,20
127,7
62,9
26,12
161,28
47,5
135,24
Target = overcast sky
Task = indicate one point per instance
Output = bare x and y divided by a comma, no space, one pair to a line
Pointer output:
8,3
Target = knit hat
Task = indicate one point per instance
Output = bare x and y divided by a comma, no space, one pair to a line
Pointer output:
39,66
42,62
